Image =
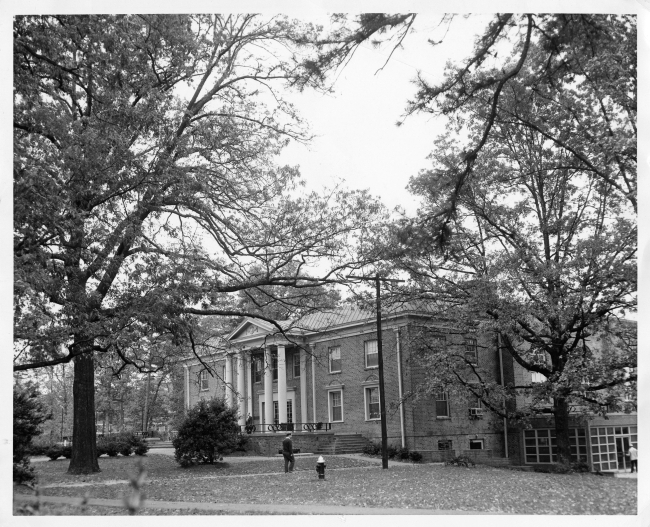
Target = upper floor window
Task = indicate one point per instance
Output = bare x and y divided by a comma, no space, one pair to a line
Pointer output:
471,353
335,359
296,364
257,369
442,404
203,380
274,364
372,353
538,358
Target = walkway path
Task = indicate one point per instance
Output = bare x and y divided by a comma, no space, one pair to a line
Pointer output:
254,508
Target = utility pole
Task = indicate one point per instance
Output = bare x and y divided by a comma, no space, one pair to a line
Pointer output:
380,363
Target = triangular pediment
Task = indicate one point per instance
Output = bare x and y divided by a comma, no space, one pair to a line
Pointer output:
249,328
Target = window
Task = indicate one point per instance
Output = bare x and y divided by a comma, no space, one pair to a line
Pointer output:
296,365
540,445
335,359
373,410
538,358
470,350
257,369
442,404
276,411
473,400
274,363
372,353
444,444
203,380
336,406
476,444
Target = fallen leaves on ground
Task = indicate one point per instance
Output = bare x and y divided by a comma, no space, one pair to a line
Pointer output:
359,483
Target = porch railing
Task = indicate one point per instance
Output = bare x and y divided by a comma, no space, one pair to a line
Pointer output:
287,427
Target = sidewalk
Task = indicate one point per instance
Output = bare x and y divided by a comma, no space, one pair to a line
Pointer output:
244,507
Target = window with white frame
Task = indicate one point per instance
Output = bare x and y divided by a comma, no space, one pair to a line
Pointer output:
471,350
442,404
373,409
336,406
540,445
257,369
335,359
276,411
203,380
538,358
274,364
372,353
296,365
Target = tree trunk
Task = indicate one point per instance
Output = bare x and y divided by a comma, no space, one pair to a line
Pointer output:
84,447
563,446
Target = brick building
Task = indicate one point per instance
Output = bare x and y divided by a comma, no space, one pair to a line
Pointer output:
321,377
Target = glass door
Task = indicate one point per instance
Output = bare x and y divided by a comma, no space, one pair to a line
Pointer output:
622,446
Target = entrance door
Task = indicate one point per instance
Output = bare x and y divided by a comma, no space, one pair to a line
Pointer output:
622,446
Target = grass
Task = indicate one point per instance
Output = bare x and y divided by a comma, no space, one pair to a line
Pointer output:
356,483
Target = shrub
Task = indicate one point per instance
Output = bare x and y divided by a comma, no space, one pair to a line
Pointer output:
403,453
66,451
29,414
141,448
461,461
54,452
242,443
107,445
372,449
126,449
23,472
392,451
416,457
209,430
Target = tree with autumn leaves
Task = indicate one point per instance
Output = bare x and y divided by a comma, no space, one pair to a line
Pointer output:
146,192
528,225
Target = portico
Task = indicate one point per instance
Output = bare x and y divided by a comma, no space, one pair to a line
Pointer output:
264,373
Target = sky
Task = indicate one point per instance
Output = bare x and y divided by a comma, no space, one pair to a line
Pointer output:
357,140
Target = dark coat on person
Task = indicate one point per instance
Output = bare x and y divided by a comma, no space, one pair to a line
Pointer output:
287,446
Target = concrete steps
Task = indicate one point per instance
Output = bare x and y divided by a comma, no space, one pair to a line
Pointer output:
344,444
160,444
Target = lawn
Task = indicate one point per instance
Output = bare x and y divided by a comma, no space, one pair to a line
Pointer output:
350,482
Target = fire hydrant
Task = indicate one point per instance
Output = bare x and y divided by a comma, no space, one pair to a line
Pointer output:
320,467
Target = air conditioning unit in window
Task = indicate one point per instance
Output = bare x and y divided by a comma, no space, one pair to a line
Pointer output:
476,413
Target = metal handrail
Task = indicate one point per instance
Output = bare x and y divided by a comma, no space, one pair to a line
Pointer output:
286,427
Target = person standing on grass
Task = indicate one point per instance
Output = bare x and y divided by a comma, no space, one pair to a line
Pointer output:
287,452
634,453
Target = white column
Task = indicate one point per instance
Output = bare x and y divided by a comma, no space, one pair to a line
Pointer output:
268,386
303,386
241,387
249,385
282,384
313,383
187,386
228,381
